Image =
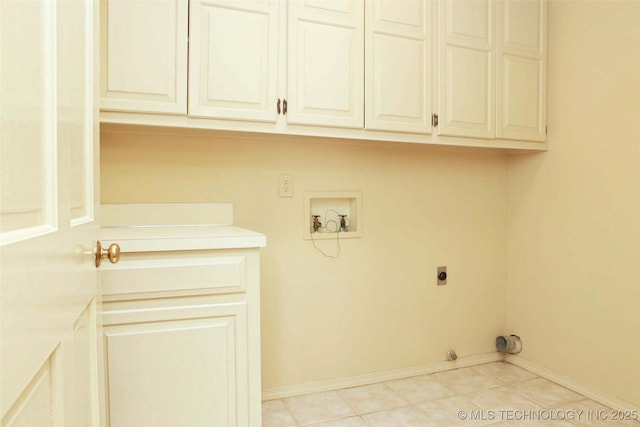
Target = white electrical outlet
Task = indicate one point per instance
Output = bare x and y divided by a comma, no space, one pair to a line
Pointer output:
286,186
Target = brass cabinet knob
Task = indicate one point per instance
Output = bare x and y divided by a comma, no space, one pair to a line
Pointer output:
112,253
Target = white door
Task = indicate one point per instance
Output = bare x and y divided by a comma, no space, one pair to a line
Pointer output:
466,73
398,66
326,63
48,140
233,59
144,55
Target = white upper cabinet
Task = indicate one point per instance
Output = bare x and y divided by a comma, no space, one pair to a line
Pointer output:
398,66
521,70
233,59
144,55
405,70
492,69
466,76
326,63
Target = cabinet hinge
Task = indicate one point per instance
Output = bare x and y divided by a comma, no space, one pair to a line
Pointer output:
434,120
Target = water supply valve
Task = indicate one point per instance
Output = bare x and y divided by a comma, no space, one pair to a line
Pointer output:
316,223
343,223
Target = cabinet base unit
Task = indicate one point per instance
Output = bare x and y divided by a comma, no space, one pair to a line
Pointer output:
180,318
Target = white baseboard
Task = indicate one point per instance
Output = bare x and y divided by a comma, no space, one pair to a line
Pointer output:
600,397
394,374
377,377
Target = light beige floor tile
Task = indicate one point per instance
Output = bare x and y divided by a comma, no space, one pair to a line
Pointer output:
545,392
419,389
318,407
504,372
590,413
501,399
344,422
454,411
610,422
493,394
464,380
371,398
276,414
538,416
542,423
403,417
583,412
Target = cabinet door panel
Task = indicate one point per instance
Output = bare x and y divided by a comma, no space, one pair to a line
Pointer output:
468,107
466,98
170,272
179,372
522,23
469,22
144,55
233,60
521,94
521,72
398,66
326,62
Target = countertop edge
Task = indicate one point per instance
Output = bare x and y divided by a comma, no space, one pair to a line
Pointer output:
149,239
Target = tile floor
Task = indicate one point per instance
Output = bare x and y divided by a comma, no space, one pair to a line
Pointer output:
495,394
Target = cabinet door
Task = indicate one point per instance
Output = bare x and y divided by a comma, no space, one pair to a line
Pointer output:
144,55
521,70
398,66
178,366
326,63
233,59
466,75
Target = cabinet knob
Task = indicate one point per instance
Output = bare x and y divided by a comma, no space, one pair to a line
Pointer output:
112,253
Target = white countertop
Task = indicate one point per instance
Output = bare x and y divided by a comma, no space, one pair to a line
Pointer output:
174,227
183,237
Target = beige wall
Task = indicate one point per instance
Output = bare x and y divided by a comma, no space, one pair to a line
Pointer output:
573,228
574,212
376,307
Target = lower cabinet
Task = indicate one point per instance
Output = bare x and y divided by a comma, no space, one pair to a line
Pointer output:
176,352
